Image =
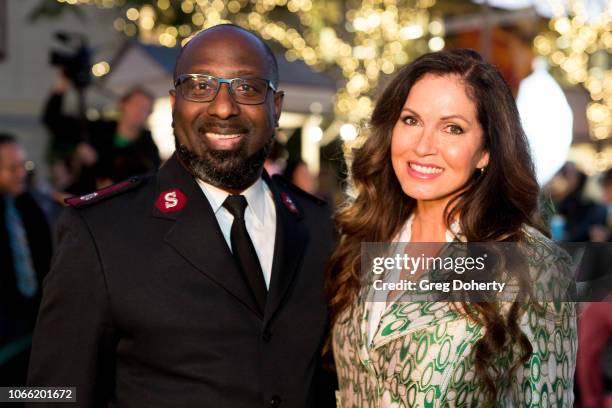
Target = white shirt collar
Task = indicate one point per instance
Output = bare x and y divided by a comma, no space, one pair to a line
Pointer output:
255,196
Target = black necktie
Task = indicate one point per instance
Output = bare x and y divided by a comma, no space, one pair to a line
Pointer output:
244,251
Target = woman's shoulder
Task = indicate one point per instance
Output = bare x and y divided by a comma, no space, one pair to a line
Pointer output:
532,234
542,249
552,274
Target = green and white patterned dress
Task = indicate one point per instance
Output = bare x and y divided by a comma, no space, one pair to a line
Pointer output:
421,356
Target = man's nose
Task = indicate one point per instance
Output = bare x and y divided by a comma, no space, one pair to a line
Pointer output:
223,106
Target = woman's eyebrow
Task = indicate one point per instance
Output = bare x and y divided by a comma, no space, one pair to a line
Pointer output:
456,117
410,111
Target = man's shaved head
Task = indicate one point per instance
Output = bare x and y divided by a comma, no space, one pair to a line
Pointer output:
218,29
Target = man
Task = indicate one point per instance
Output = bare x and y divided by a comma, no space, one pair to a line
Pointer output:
113,150
25,254
159,296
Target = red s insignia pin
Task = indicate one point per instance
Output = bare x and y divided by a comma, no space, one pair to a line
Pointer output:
289,203
171,201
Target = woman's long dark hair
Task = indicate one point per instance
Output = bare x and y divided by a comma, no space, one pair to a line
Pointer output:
493,206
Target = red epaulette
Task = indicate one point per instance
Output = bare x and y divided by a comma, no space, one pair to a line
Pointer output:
104,193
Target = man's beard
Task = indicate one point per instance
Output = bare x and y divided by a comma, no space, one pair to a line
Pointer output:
232,169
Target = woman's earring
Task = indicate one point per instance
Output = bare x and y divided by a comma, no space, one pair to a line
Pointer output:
482,170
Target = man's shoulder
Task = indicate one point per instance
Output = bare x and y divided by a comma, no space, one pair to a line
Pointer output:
117,193
304,197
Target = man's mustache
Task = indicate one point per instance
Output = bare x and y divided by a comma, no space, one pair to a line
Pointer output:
222,127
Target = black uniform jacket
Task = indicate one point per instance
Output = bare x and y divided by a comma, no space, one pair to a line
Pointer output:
144,305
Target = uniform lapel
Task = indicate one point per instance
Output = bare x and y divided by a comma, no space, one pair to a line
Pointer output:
196,235
289,245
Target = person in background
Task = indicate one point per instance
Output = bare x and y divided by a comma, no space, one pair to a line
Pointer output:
594,334
606,183
603,231
112,151
25,255
578,211
276,160
595,325
297,172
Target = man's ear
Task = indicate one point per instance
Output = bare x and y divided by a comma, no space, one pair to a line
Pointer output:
172,93
278,105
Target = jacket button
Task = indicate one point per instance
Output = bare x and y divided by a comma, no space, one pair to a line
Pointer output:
275,401
267,336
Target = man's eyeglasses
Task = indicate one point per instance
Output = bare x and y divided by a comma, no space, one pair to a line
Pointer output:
204,88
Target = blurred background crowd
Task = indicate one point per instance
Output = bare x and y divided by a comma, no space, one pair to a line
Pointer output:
84,104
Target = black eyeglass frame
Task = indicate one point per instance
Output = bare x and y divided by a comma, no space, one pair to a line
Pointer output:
181,78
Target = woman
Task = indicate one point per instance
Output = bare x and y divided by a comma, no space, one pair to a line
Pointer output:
446,159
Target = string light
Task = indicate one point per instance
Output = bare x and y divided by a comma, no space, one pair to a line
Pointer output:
579,50
348,132
358,41
100,69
